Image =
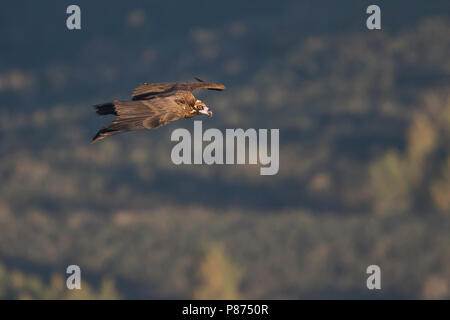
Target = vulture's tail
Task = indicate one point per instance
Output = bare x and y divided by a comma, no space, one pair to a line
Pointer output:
105,108
114,128
129,117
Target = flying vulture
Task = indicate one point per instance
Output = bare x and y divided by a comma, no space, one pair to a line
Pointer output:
154,105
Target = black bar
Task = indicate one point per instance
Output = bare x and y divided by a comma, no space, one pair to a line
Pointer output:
231,309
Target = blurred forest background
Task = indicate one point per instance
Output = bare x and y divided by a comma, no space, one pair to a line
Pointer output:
364,119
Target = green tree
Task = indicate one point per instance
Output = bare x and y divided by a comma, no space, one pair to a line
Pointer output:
219,276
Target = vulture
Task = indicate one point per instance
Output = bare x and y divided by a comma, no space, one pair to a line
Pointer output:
154,105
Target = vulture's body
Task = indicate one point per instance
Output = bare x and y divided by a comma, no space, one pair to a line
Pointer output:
154,105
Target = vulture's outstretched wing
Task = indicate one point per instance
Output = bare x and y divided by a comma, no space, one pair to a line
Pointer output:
147,90
139,114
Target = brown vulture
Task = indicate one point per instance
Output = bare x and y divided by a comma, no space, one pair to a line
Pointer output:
154,105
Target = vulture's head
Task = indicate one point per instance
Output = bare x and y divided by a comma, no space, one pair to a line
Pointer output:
201,108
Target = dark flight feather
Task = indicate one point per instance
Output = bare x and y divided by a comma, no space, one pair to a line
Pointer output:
146,90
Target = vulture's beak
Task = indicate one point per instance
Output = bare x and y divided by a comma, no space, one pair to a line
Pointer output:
206,111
